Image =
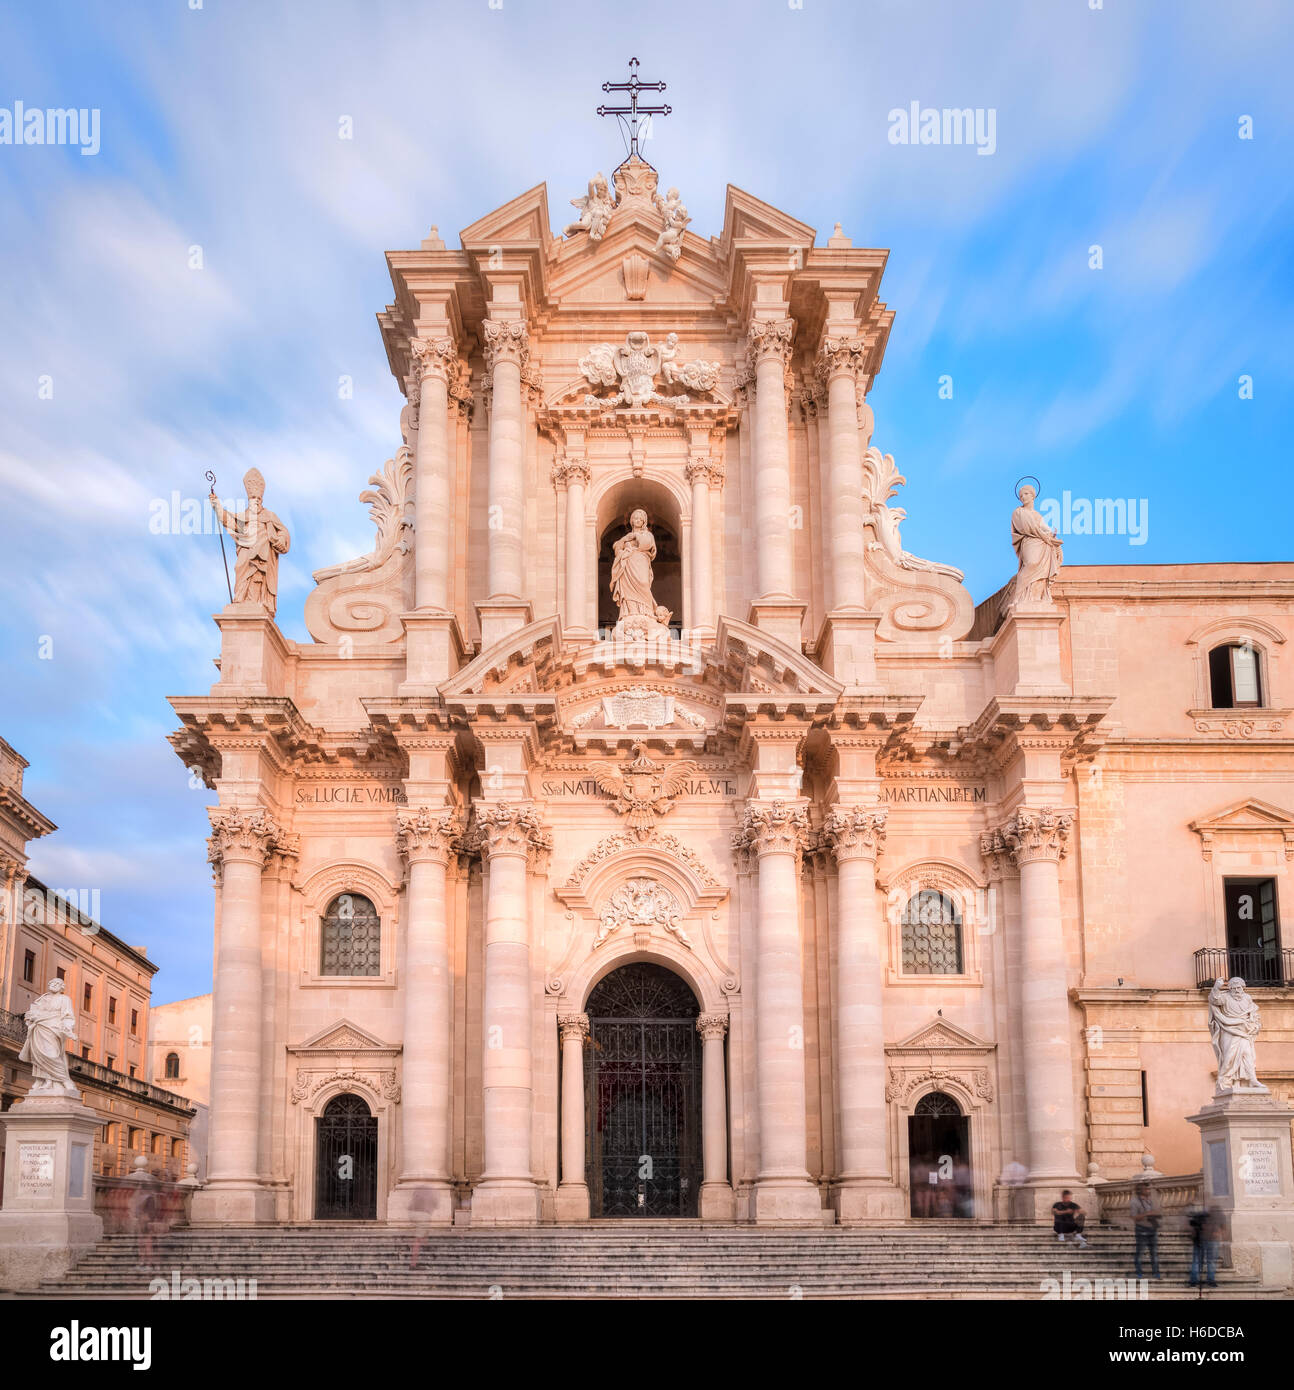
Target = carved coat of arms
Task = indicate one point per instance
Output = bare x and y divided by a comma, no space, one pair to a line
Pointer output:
643,788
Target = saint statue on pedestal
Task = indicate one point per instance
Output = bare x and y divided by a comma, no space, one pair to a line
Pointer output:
1038,549
260,538
1233,1027
50,1022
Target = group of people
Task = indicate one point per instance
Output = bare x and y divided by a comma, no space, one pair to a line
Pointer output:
1068,1219
942,1190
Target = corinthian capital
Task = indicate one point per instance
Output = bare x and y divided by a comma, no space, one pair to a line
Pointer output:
706,469
712,1027
769,339
773,827
573,1027
856,832
506,340
511,828
841,357
1037,834
428,833
571,470
433,357
241,835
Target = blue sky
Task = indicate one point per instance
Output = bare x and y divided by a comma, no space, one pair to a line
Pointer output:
1116,126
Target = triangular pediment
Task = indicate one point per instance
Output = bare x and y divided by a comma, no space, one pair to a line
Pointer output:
1247,815
939,1035
747,218
525,218
343,1036
583,271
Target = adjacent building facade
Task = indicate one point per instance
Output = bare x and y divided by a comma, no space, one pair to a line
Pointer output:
723,861
46,935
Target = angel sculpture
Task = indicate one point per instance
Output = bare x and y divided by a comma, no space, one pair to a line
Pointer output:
643,789
595,210
670,241
699,376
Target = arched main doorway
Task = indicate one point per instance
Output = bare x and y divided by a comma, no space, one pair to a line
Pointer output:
346,1161
643,1101
939,1171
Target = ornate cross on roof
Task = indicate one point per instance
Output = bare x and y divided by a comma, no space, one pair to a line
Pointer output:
633,114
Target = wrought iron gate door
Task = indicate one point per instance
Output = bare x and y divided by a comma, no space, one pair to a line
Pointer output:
643,1105
346,1162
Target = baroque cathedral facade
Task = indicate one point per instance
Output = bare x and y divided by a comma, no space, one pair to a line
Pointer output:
645,832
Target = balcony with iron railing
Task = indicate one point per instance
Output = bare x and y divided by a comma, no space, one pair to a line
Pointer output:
1260,967
12,1027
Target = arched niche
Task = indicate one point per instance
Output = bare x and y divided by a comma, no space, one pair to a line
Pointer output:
665,520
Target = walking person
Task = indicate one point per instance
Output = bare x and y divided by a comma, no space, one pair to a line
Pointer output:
1067,1218
1205,1233
1146,1217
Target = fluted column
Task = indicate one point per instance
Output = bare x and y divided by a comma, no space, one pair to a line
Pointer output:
1038,840
427,836
839,366
434,359
240,842
574,473
716,1191
573,1191
507,1193
702,472
864,1188
769,348
506,352
775,832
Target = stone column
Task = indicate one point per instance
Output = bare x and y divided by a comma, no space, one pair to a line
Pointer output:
864,1188
507,1193
573,1191
768,349
1038,839
716,1191
839,367
702,473
775,831
427,836
241,838
506,352
575,474
434,360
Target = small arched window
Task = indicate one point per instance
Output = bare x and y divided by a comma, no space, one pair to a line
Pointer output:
932,934
172,1066
350,940
938,1104
1235,681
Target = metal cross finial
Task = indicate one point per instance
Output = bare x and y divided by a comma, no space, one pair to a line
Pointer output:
633,114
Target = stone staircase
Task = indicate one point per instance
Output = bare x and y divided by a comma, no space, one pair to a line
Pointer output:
634,1260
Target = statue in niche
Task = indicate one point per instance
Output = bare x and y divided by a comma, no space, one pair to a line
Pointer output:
259,538
631,570
1038,549
1233,1028
50,1022
670,241
595,210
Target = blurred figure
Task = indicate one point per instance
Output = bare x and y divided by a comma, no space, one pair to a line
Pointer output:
1146,1217
1206,1231
964,1192
1019,1202
1067,1217
144,1217
421,1202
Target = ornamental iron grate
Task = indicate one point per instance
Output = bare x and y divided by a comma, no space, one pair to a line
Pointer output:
643,1095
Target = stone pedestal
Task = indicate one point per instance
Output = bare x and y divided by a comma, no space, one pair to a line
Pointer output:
1245,1135
781,617
47,1222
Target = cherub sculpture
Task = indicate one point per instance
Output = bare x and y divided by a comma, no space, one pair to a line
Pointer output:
595,210
670,207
